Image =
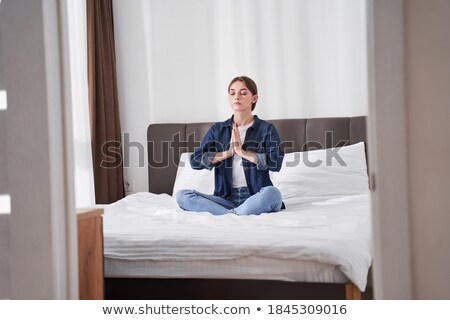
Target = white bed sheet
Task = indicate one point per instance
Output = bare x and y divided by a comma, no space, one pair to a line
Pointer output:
145,227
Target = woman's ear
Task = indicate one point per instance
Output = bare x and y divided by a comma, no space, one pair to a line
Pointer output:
255,98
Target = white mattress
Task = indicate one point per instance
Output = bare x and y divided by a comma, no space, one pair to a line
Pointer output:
314,240
240,268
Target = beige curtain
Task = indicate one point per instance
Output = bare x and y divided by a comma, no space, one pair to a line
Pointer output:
103,103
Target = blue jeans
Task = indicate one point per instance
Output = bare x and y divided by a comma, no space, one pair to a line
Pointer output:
268,199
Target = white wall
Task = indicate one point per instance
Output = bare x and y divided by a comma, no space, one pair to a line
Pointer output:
175,59
427,60
134,84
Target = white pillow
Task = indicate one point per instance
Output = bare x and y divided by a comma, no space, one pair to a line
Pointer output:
188,178
308,174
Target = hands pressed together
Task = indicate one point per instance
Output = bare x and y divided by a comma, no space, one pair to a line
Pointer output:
235,142
235,148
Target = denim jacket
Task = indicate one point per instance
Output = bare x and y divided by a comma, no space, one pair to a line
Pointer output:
261,138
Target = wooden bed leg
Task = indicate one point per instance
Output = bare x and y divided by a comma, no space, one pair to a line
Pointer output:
352,292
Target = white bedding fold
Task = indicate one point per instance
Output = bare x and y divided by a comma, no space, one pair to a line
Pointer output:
337,231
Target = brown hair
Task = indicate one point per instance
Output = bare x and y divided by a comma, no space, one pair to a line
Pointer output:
249,83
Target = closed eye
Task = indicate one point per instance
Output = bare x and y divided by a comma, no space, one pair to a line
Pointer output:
243,92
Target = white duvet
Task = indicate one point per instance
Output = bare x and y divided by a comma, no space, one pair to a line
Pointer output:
332,230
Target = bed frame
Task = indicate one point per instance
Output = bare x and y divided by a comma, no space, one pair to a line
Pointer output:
166,142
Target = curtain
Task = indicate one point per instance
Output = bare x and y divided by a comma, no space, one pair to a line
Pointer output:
103,103
308,57
84,175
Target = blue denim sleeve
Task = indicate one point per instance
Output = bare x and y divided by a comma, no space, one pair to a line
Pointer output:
272,159
203,155
261,161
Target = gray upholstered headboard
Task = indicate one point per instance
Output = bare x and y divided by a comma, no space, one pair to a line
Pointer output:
167,141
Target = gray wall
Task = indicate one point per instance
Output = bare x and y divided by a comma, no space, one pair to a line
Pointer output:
427,63
411,113
42,224
4,219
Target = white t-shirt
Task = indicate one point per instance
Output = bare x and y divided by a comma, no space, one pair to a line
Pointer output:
239,180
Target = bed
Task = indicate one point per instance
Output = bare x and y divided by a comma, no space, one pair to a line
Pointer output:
318,248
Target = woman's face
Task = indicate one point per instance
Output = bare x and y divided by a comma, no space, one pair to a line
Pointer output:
240,97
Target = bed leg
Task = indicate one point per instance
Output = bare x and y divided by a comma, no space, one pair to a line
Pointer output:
352,292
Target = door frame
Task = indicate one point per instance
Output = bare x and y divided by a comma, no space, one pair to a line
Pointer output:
387,131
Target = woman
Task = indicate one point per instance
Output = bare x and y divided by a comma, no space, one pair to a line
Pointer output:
242,150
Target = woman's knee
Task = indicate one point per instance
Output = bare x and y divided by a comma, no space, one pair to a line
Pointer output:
183,195
271,192
273,195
